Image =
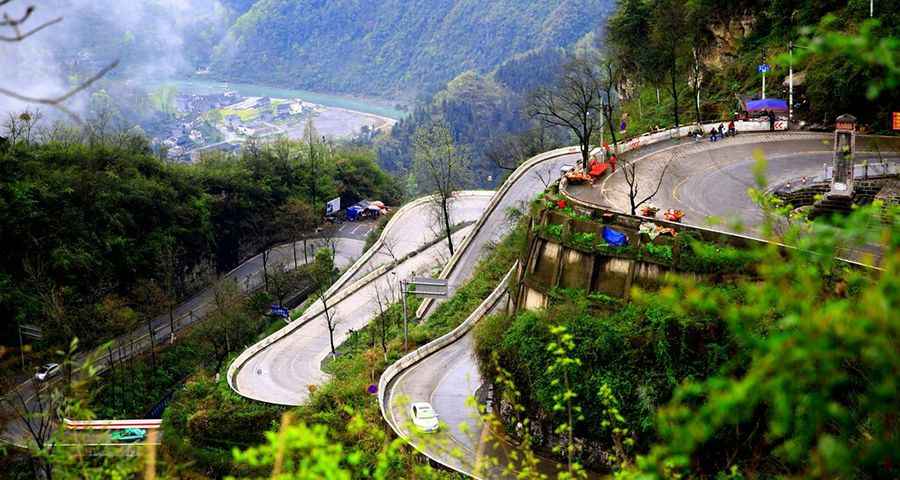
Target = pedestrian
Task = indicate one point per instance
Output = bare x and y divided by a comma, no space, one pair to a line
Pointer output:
713,135
721,130
612,162
771,121
732,131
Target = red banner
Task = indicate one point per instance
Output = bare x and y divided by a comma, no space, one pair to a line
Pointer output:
896,121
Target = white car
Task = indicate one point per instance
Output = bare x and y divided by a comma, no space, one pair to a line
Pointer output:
47,371
424,417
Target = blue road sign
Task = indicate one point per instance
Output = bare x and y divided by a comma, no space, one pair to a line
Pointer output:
764,68
279,311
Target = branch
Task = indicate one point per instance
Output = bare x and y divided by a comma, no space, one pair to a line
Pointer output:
14,24
57,101
658,184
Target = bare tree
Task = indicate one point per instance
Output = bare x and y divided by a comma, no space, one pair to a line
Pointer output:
262,228
322,276
507,152
298,218
574,103
636,197
34,407
608,105
381,322
546,174
442,168
389,246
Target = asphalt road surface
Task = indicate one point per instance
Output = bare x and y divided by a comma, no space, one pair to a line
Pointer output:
282,372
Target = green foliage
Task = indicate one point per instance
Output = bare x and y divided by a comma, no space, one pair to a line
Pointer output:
641,351
392,46
554,230
703,257
847,59
660,253
207,420
91,227
811,389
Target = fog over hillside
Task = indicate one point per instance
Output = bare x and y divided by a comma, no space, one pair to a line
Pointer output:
153,39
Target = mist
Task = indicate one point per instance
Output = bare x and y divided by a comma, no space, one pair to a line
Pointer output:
154,40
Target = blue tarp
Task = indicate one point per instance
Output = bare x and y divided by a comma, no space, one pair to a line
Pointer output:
614,237
773,104
354,212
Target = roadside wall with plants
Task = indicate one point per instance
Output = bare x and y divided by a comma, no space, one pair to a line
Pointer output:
567,250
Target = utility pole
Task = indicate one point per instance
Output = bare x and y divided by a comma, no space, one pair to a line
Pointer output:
871,8
791,86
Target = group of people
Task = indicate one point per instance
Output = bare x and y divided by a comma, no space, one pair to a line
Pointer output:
717,133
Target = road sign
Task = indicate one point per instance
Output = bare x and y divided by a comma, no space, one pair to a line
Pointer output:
896,122
764,68
279,311
333,206
428,287
32,331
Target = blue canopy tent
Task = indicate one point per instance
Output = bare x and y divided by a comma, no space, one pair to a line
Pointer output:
770,104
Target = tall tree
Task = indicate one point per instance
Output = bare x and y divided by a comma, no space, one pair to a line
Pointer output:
574,103
669,28
298,218
441,168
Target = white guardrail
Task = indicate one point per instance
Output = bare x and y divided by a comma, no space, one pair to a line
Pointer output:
524,168
337,292
631,144
414,357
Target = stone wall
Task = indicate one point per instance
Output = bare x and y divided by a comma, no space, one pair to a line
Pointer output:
864,191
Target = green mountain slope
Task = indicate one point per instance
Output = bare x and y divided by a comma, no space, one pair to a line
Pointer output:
392,47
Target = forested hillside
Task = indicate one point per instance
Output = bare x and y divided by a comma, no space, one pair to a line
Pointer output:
94,230
705,54
392,47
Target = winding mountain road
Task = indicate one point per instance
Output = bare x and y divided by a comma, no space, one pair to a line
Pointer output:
701,179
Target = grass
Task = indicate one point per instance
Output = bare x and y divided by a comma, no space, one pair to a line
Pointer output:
246,114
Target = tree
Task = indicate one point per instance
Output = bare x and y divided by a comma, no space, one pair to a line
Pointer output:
701,42
667,44
508,151
322,275
811,391
284,281
608,106
441,167
574,103
262,228
634,182
298,218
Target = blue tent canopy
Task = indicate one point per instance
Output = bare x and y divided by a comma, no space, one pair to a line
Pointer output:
773,104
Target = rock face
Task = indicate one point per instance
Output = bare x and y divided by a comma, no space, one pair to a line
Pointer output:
727,37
